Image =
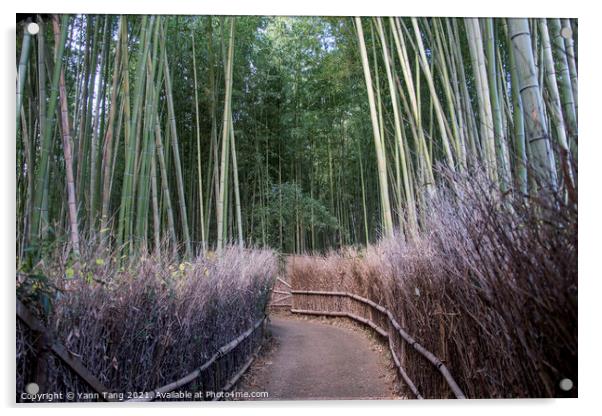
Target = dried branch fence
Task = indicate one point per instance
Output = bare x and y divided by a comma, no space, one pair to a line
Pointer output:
344,304
281,296
218,374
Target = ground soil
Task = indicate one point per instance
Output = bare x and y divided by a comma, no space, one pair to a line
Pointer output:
321,359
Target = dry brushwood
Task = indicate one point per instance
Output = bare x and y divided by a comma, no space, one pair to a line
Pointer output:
490,289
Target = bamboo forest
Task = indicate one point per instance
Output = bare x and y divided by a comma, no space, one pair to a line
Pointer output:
205,175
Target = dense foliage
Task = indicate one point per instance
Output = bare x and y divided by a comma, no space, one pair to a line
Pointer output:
207,130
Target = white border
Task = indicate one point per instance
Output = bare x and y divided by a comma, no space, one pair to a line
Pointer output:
589,149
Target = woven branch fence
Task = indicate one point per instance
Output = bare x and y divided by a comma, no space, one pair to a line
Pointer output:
281,296
218,374
344,304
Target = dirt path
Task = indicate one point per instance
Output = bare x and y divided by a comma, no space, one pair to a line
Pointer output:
312,360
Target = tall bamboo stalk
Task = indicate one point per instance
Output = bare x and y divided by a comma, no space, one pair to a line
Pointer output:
108,140
125,210
95,135
571,59
380,156
73,224
536,128
434,98
552,86
176,151
519,123
42,174
503,161
475,43
411,205
237,203
225,139
22,73
198,146
413,94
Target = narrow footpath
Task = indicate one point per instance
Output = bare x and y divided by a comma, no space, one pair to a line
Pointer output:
312,360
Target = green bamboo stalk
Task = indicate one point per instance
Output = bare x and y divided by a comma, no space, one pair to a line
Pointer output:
221,222
535,124
155,203
64,107
571,59
434,98
22,74
381,160
411,205
518,121
457,82
214,160
564,78
503,162
443,57
413,95
364,209
41,67
42,174
164,182
108,140
175,148
144,167
552,86
475,42
95,136
86,133
198,146
237,203
125,211
464,96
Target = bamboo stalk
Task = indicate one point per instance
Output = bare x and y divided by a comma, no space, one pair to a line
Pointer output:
565,80
226,125
378,140
434,99
22,73
108,140
176,150
519,124
533,106
502,160
475,42
126,211
551,84
409,198
198,146
42,174
64,107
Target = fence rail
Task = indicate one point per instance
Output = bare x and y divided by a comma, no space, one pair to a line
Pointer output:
150,396
48,344
377,317
281,296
